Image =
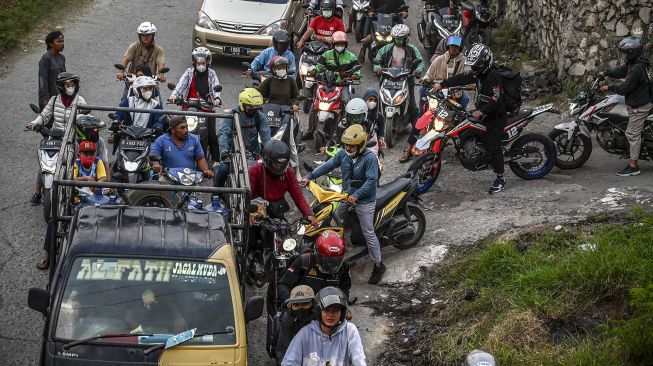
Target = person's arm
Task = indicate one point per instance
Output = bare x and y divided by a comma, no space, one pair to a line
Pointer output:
618,72
264,129
352,61
355,346
259,62
46,113
254,173
264,88
458,80
371,177
157,149
291,277
628,86
44,72
296,194
295,353
124,117
127,59
156,119
293,62
294,92
418,56
160,63
345,279
380,125
213,82
378,58
328,166
184,82
100,171
320,66
224,137
495,100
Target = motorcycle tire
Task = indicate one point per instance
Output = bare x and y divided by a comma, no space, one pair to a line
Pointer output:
426,170
163,199
549,150
306,105
416,212
390,132
581,142
46,193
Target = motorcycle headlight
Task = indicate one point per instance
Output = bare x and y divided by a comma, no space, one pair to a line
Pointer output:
438,124
289,244
322,106
433,103
386,98
399,98
192,122
131,166
274,27
203,21
379,36
388,38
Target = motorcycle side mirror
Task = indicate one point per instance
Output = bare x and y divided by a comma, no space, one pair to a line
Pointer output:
217,88
34,108
164,70
171,86
155,157
119,67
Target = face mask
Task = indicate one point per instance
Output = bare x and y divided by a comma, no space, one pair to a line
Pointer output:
87,161
281,73
70,91
201,68
147,95
351,155
400,42
304,314
327,13
340,48
371,105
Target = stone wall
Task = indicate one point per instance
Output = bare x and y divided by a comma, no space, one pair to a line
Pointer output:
579,37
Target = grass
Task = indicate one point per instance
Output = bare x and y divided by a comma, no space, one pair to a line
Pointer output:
20,17
572,85
545,301
506,43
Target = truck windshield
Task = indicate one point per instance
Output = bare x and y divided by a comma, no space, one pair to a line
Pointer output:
158,297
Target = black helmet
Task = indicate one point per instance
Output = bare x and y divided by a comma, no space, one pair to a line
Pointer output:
477,357
280,41
65,77
276,151
479,58
631,47
87,127
330,296
328,5
278,62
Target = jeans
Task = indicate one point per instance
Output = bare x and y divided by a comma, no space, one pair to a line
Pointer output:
365,214
48,238
221,172
214,147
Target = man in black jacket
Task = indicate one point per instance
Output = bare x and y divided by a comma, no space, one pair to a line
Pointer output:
299,313
489,101
636,89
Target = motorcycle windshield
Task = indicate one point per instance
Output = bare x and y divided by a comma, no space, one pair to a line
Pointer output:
384,23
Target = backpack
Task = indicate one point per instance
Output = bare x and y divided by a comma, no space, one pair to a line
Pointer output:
511,87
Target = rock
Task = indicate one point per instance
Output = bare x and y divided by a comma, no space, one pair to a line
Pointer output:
645,15
594,49
610,15
621,29
609,25
601,5
590,21
603,43
558,228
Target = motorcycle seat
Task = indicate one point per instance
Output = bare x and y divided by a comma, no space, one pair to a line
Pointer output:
388,191
516,117
467,5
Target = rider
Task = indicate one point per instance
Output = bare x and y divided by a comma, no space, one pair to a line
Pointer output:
300,311
356,112
489,101
330,339
280,47
324,25
637,92
55,115
402,54
143,52
324,267
279,89
199,81
315,4
444,66
143,98
360,173
381,7
179,149
340,60
253,125
375,120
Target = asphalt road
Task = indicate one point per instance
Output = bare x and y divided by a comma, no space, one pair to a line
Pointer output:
459,210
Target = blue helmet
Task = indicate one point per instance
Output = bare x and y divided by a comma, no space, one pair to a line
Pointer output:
454,40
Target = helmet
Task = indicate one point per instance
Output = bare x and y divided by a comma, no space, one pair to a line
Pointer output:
329,251
280,41
328,5
479,58
329,296
65,77
146,28
141,82
87,146
87,127
276,151
249,96
202,52
339,37
400,31
631,47
277,62
454,40
479,358
355,135
356,112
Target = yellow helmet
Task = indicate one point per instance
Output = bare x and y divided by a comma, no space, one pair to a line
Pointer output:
250,96
355,135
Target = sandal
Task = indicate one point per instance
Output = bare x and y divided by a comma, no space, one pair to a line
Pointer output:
43,265
406,156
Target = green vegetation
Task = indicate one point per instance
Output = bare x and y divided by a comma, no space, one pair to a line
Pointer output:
579,296
507,44
19,18
549,98
572,85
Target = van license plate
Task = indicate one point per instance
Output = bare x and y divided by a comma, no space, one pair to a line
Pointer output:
241,51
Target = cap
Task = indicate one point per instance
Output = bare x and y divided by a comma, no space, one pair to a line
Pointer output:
87,146
174,121
301,294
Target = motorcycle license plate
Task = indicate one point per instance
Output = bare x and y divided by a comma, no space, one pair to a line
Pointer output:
393,85
50,145
240,51
310,59
133,144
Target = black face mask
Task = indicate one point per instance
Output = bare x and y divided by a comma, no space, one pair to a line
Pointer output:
304,315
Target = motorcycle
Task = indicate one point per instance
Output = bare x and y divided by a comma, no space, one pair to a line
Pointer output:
306,81
446,21
607,116
130,78
394,99
477,20
381,32
360,8
133,145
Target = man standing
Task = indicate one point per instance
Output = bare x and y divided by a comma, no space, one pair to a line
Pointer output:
52,64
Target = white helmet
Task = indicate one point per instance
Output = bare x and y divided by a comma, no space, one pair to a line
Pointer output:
140,82
356,112
202,52
146,28
400,31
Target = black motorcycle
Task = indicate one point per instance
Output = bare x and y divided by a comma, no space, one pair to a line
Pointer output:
381,32
477,20
445,22
133,145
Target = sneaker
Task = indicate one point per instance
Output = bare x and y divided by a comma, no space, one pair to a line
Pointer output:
35,200
377,274
498,186
628,171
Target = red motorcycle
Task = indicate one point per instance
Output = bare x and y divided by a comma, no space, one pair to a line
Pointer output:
529,156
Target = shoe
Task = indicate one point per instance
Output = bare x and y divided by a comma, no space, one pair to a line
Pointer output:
349,30
377,274
498,186
406,156
628,171
35,200
307,136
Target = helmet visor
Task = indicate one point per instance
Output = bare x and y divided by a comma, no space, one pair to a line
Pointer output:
355,119
329,265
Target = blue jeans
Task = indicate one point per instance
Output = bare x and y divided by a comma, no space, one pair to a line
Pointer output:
221,172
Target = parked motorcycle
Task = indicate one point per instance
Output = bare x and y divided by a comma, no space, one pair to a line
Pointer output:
133,145
607,116
394,99
306,81
129,80
446,21
477,20
360,9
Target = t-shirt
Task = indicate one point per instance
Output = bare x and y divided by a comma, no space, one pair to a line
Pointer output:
49,68
326,28
137,54
100,172
398,56
173,156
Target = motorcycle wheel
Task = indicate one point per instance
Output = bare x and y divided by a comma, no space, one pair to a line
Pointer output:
427,169
415,217
306,105
581,149
46,193
527,145
163,199
390,132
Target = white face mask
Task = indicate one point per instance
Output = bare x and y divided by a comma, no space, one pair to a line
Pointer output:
327,13
340,48
371,105
201,68
281,73
351,155
70,91
147,95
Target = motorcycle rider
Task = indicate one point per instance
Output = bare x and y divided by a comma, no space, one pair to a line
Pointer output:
330,339
143,98
300,311
179,149
323,26
375,120
358,164
199,81
280,89
340,60
143,52
489,103
315,4
452,62
435,5
401,53
381,7
356,112
253,125
55,114
280,47
637,91
52,63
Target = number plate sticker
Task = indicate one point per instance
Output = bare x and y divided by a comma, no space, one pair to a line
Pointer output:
134,144
241,51
50,145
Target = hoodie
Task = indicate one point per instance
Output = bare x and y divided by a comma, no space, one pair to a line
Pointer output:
635,88
311,347
375,117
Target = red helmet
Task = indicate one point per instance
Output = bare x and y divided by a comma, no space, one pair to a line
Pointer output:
339,37
330,252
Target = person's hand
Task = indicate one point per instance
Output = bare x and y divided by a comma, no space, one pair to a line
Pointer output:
326,40
404,14
208,173
162,77
322,150
156,167
120,75
248,73
171,99
351,199
477,114
370,13
300,43
354,77
252,219
603,88
295,107
378,71
217,102
305,182
436,87
313,221
382,143
349,315
30,126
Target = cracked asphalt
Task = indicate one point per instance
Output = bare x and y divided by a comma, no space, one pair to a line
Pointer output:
459,210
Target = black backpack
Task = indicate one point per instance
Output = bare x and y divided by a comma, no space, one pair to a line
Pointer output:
511,87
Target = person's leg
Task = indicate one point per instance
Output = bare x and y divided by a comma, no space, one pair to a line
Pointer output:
221,173
341,217
493,137
350,24
412,117
464,99
636,120
214,147
44,263
421,101
36,196
365,213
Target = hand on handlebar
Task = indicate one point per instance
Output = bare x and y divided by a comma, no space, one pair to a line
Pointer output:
31,126
351,199
156,167
305,182
300,43
120,75
172,100
378,72
604,88
162,77
477,114
313,221
404,14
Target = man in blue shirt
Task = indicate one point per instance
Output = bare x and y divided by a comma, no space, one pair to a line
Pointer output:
179,149
280,44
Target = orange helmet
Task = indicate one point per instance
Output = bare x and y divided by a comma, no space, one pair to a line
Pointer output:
339,37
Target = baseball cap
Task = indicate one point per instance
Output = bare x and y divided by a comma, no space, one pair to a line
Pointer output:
301,294
87,146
